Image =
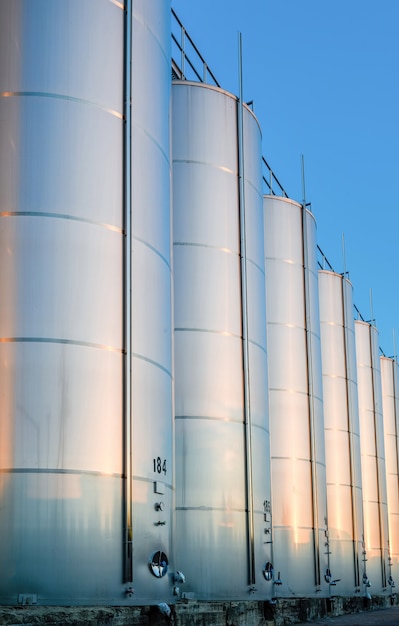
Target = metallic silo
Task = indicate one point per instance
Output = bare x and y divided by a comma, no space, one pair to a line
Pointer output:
223,515
150,325
296,407
341,422
61,320
390,410
69,411
372,459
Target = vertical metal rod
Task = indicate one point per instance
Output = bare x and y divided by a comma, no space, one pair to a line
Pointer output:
127,288
244,306
309,361
352,464
303,180
377,444
371,307
343,253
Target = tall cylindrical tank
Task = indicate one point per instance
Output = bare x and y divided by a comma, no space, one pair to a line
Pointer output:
61,321
342,437
295,391
69,410
223,524
150,328
372,458
390,410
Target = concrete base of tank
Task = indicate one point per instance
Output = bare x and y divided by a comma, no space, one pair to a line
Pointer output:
282,612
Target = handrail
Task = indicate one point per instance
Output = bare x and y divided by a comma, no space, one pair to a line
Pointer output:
322,264
180,65
268,178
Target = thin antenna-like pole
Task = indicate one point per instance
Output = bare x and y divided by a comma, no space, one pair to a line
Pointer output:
127,307
372,320
310,381
394,344
245,340
303,181
343,254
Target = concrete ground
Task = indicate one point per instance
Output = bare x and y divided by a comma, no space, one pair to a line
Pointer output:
379,617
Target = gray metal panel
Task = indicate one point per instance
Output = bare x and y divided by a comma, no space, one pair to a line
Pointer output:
61,273
151,299
390,408
372,456
341,416
296,406
211,481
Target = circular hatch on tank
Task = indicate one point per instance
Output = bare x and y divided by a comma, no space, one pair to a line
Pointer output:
159,564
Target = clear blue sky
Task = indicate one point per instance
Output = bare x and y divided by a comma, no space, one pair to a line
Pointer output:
324,77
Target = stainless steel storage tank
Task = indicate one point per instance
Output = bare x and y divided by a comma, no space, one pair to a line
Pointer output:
151,303
372,458
63,325
61,252
341,422
390,410
223,516
296,407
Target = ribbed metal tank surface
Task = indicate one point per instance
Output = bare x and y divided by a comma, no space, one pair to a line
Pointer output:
223,518
341,422
296,406
69,410
61,244
372,457
390,410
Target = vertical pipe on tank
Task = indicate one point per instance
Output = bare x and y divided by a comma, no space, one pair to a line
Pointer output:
310,376
127,295
353,427
244,321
